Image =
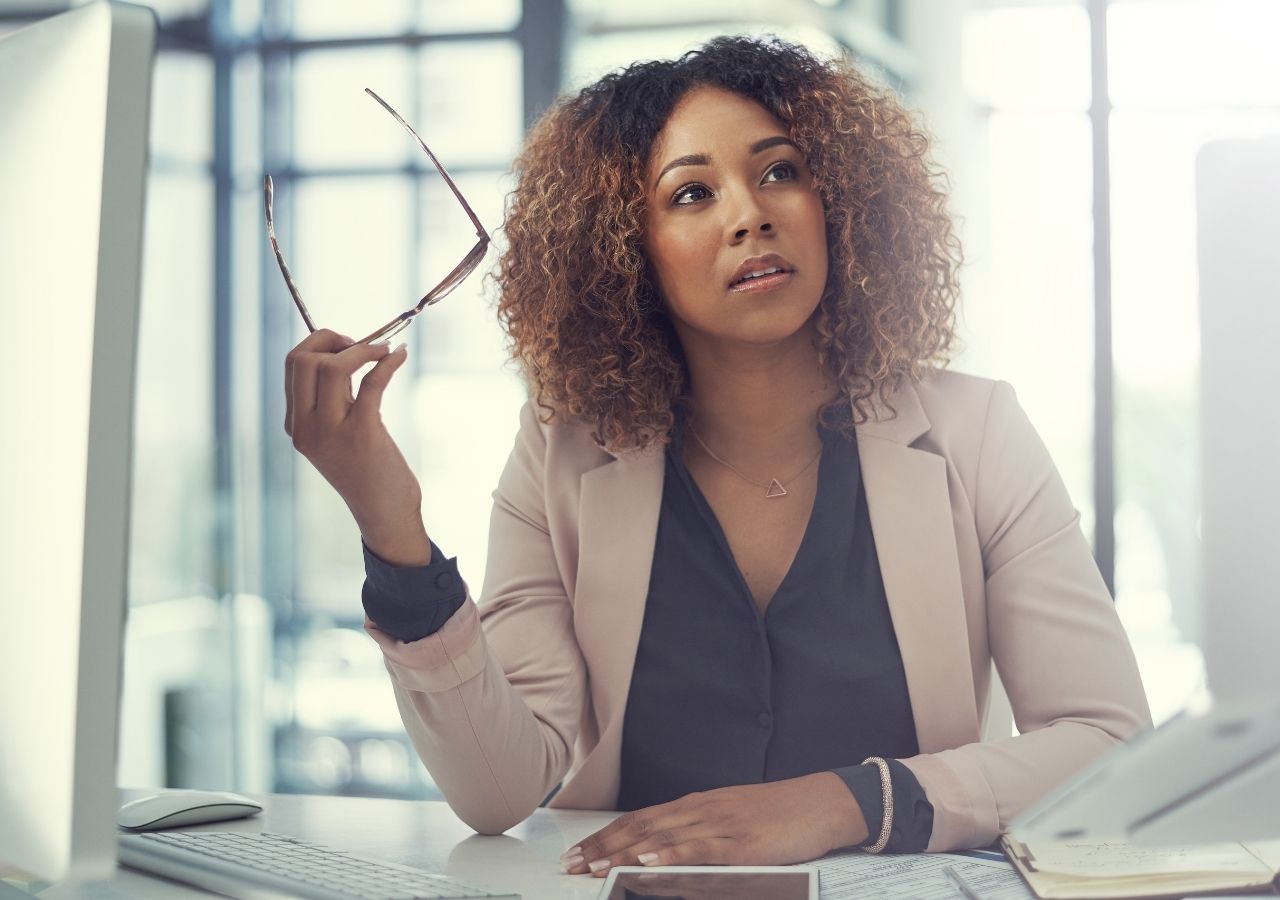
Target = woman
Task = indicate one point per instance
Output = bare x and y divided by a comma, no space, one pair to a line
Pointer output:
754,551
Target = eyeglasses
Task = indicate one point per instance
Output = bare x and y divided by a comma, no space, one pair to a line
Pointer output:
436,294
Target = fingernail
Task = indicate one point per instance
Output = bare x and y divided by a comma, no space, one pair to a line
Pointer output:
400,347
599,865
570,863
647,859
572,851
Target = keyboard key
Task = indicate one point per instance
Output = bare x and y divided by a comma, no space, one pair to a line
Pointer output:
283,863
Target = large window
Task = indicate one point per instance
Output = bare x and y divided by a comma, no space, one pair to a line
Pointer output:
246,664
370,228
1180,73
1027,311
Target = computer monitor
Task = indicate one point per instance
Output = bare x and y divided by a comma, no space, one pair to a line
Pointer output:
74,112
1213,772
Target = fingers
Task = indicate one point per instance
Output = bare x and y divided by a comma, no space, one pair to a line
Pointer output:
318,374
323,341
756,824
635,826
374,383
690,851
662,825
299,378
690,846
664,842
288,396
333,378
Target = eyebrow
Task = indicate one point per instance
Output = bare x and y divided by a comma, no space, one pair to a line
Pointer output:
702,159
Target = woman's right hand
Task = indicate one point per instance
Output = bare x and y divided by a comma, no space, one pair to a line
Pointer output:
344,437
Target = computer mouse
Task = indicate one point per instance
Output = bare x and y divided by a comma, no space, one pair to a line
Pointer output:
173,809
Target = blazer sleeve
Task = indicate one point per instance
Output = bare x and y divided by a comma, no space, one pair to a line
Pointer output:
494,712
1056,640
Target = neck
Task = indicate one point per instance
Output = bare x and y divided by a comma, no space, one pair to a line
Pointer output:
758,405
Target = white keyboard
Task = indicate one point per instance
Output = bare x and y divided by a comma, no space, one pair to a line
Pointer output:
256,866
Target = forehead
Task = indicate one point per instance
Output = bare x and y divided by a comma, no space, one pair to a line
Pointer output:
713,121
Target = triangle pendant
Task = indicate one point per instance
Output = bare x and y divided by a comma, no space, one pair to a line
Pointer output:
775,490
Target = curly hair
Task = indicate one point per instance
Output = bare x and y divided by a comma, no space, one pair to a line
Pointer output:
581,309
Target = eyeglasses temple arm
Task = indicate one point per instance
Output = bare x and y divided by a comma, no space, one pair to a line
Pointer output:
475,220
267,194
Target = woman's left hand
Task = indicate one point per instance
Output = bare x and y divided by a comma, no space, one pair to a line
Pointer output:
772,824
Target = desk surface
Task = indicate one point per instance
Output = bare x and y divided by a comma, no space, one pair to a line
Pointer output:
425,834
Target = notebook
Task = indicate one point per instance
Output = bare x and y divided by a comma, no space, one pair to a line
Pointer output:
1070,870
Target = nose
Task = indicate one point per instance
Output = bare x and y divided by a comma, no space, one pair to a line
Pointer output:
741,233
749,216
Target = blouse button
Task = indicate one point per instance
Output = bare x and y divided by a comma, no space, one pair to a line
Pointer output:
444,581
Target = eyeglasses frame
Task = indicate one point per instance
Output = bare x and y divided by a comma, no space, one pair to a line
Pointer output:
459,273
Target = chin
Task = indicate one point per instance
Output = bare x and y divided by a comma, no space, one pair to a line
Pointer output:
759,321
772,330
779,323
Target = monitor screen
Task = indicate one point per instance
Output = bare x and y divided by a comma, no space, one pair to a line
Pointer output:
74,103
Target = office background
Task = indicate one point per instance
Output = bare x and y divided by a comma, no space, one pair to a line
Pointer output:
1069,129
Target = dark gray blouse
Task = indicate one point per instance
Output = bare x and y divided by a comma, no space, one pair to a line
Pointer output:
722,695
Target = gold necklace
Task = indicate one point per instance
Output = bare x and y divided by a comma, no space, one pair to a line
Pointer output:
773,488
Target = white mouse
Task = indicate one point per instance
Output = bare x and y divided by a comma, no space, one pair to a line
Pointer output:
173,809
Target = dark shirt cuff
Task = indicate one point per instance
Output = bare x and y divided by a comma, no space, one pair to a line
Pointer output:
912,811
411,602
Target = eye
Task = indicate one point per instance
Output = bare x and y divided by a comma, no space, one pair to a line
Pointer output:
783,171
690,193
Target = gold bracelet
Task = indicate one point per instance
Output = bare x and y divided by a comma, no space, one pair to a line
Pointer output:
886,795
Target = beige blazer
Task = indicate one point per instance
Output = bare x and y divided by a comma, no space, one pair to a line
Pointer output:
982,557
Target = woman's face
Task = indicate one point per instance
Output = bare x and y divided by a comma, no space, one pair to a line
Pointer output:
736,234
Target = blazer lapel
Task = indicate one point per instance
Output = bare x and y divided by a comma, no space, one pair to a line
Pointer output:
618,525
910,510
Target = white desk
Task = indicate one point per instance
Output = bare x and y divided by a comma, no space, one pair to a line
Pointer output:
425,834
416,833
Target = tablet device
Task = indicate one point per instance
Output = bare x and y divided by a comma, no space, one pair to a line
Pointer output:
711,883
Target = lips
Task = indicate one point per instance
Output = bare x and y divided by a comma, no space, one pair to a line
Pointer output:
760,268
